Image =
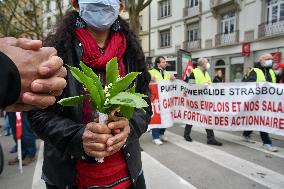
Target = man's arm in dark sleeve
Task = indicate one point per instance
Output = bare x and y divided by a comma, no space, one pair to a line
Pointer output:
10,82
63,133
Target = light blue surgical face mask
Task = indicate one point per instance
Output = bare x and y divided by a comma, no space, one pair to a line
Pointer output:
268,63
99,14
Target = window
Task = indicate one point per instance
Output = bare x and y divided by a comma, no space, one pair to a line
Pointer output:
165,38
192,32
141,23
165,8
48,24
275,11
228,23
192,3
48,5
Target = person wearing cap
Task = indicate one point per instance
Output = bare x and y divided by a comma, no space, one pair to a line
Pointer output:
93,33
262,72
159,73
200,76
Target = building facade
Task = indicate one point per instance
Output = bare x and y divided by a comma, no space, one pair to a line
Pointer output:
218,30
143,30
51,13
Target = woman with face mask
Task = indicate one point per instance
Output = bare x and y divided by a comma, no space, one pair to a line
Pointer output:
93,33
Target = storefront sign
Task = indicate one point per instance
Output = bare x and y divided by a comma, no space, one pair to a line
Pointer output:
226,106
246,49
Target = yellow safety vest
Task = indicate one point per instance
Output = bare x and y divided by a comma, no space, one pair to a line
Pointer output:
260,77
154,72
201,77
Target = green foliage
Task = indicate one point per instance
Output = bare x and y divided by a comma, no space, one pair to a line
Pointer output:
129,99
112,71
89,72
89,84
71,101
123,84
116,96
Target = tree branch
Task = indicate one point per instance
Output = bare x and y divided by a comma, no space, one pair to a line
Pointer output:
147,3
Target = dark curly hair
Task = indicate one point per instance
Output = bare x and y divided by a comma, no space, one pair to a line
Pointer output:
134,59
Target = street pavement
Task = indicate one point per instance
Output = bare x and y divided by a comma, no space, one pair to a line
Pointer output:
178,164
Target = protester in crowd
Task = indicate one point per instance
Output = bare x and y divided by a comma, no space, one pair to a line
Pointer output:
200,76
262,72
279,72
159,73
30,76
219,77
94,34
28,139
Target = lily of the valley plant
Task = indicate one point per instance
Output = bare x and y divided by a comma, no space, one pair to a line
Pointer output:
116,96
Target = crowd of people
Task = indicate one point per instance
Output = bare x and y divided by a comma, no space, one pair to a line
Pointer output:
33,78
263,71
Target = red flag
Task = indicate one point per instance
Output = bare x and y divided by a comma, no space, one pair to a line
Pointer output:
188,69
19,125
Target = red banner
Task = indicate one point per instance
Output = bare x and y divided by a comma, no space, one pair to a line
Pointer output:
246,49
156,117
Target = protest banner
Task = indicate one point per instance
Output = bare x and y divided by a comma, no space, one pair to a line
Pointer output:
222,106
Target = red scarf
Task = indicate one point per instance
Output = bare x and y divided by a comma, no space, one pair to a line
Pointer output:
92,56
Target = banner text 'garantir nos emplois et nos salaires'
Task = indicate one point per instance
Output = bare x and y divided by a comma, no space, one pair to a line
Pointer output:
223,106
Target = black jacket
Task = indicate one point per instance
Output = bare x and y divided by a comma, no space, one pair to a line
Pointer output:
10,81
252,77
217,79
62,131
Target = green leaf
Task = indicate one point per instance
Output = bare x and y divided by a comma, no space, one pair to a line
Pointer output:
123,84
140,95
127,111
89,84
71,101
132,89
128,99
77,74
90,73
112,71
94,93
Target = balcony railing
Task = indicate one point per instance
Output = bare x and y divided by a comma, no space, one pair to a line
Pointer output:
192,11
217,3
227,39
192,45
271,29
